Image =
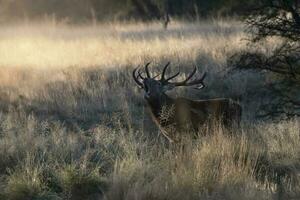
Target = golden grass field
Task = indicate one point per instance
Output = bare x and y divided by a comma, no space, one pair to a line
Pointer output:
73,124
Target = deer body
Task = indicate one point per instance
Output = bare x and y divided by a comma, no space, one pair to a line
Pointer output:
179,116
185,115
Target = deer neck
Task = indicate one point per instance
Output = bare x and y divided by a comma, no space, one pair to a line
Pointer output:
157,104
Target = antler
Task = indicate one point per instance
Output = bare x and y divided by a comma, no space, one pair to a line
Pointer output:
137,75
164,72
186,81
147,70
163,79
136,78
191,83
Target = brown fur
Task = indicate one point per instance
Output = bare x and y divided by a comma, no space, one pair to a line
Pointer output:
189,116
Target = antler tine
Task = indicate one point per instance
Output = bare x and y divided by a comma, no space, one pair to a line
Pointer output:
182,83
140,74
164,71
136,79
175,75
194,82
198,81
156,76
147,70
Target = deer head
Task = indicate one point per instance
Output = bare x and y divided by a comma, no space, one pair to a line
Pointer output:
155,89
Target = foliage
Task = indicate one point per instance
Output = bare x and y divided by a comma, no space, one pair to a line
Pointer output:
276,18
87,10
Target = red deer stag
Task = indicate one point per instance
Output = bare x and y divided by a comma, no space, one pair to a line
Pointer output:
183,113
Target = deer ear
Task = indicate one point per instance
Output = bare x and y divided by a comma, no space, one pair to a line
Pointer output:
168,87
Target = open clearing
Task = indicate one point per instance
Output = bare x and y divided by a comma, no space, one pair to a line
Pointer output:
73,124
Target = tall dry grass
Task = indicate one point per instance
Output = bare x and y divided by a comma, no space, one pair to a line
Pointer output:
73,125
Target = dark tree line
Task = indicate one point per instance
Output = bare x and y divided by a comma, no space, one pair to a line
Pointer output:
83,10
280,19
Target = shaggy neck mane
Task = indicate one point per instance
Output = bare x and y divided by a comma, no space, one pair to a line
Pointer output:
157,104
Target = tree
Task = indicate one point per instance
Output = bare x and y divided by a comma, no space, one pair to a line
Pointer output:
84,10
281,19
